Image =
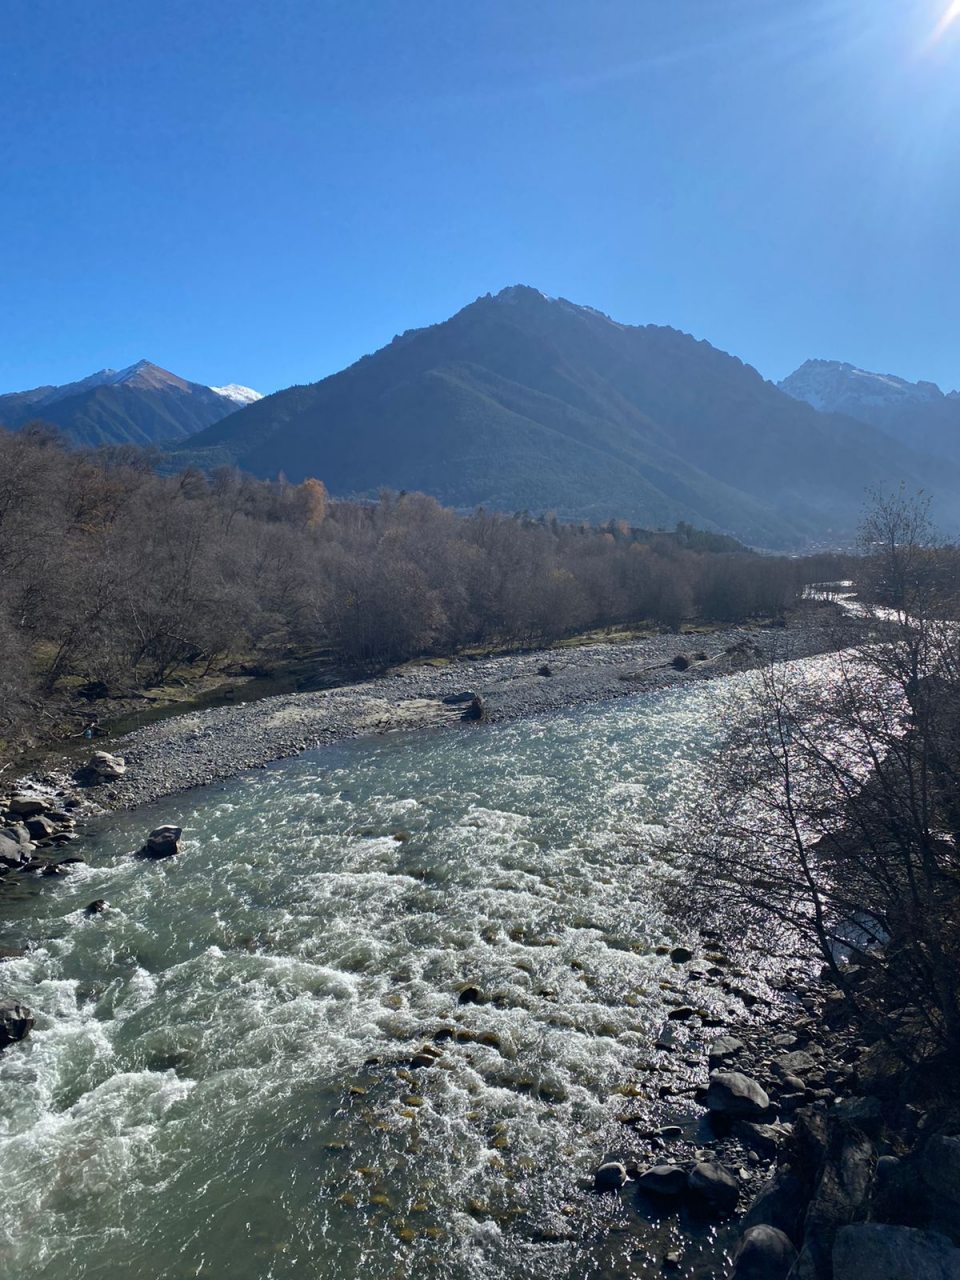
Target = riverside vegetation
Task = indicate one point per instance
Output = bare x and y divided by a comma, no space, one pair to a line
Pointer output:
114,579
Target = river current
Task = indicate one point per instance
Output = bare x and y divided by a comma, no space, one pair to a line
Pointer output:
222,1081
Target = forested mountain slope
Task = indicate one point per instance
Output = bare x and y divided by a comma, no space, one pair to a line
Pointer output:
520,401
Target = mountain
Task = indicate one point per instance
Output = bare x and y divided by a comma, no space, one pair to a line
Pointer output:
917,413
142,405
521,401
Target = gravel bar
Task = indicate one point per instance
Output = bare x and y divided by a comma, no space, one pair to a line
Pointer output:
202,747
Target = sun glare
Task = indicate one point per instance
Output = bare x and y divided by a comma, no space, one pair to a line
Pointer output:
951,15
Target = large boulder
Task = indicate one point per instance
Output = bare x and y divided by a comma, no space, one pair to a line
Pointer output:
880,1252
780,1203
106,768
40,827
764,1253
16,1022
730,1093
842,1196
12,854
162,842
26,804
714,1186
663,1180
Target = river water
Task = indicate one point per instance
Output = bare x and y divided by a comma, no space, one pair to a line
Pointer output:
198,1097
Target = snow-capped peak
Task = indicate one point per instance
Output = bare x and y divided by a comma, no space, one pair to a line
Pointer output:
837,386
238,394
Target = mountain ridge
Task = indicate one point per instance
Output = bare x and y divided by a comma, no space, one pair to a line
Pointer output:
916,413
530,402
142,404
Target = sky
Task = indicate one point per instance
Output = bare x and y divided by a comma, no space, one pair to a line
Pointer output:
261,192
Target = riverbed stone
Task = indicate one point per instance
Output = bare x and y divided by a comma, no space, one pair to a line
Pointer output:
722,1050
25,804
16,1022
610,1176
40,827
798,1063
162,842
764,1253
105,767
663,1180
733,1094
881,1252
12,853
714,1185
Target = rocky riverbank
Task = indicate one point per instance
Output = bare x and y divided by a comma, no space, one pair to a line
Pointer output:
199,748
816,1154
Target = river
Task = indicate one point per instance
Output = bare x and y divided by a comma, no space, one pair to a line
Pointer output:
199,1097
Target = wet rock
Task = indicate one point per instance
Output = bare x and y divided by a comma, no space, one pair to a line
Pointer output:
681,662
16,1022
870,1249
545,670
422,1060
40,828
680,955
27,805
55,869
477,710
669,1132
764,1253
668,1037
733,1094
457,699
162,842
722,1050
663,1180
610,1176
714,1186
469,995
681,1013
96,907
12,854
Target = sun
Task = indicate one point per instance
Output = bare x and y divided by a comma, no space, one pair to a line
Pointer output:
951,15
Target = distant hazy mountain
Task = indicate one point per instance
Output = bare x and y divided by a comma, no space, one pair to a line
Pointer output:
526,402
916,413
142,405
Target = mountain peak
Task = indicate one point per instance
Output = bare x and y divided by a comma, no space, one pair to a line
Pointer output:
238,394
146,374
840,387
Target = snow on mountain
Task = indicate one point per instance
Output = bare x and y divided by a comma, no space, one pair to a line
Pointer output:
141,404
835,386
918,414
238,394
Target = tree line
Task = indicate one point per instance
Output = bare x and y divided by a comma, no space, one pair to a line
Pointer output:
113,576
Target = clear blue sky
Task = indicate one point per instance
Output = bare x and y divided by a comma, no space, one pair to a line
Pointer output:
261,191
